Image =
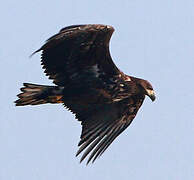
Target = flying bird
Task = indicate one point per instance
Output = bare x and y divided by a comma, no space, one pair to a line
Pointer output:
88,83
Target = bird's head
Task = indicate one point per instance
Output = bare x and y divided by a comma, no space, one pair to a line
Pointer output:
147,89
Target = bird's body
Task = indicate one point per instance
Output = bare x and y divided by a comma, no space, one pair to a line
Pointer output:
89,84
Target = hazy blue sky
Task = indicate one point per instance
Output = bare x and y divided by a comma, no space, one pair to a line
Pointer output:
152,39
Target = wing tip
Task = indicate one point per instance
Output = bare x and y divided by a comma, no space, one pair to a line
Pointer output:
35,52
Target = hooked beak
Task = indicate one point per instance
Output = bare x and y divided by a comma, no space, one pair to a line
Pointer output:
151,94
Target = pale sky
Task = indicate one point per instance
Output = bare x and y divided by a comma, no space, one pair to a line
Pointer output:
153,40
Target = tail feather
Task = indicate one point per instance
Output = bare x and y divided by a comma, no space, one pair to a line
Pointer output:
33,94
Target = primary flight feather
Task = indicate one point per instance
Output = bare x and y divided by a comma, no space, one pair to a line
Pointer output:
89,84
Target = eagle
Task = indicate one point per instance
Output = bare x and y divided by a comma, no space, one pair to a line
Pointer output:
89,84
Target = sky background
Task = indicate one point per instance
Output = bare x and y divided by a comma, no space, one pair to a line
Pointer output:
153,40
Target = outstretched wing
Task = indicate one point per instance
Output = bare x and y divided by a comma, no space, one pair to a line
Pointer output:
77,53
104,124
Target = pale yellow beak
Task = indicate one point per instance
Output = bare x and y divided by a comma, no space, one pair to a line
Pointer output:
151,94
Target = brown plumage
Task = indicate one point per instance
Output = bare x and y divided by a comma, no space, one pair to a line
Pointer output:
89,84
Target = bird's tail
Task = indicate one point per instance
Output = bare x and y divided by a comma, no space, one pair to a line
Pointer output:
33,94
